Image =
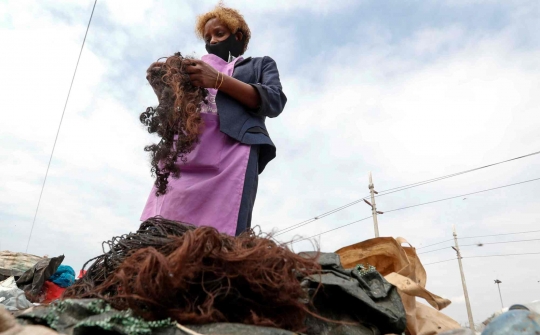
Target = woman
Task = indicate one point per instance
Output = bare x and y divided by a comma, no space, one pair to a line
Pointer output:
218,183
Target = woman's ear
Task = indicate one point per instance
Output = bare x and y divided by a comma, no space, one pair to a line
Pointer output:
239,36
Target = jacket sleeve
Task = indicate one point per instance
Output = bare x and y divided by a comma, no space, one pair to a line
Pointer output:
272,97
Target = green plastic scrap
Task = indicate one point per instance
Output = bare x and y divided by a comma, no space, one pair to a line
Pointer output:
53,313
130,324
97,306
125,320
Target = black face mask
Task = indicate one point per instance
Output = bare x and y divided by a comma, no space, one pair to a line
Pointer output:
222,49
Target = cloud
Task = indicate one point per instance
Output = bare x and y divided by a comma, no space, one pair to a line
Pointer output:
280,6
408,102
460,299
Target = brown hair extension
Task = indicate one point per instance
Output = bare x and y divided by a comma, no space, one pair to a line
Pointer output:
204,276
178,113
154,232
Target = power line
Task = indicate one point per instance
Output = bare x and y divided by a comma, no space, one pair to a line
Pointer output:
427,246
345,225
60,125
447,260
431,202
303,223
484,256
396,189
520,232
504,255
480,244
462,195
427,252
502,242
479,236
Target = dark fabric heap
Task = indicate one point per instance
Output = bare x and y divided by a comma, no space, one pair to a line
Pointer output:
32,281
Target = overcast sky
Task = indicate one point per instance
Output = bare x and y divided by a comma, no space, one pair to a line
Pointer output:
408,90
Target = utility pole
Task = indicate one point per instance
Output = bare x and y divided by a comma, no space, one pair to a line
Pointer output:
374,211
465,293
500,296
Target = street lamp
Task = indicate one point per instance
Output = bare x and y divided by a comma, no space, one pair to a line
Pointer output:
500,296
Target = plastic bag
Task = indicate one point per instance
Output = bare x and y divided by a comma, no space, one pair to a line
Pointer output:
32,280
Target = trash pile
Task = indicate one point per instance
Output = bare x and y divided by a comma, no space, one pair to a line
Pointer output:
515,320
28,279
196,276
533,306
518,319
173,278
15,263
401,267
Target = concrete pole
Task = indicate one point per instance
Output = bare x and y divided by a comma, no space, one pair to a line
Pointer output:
465,293
373,206
500,295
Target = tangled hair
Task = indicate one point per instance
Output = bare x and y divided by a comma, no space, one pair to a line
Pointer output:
231,18
176,119
154,232
202,276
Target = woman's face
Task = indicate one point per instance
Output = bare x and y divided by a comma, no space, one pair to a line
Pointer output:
215,31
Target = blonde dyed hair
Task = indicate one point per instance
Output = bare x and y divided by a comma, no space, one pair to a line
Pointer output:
229,17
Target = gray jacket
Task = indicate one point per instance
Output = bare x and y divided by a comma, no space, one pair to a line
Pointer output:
247,125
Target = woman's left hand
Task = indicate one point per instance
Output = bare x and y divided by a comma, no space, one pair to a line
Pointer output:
201,74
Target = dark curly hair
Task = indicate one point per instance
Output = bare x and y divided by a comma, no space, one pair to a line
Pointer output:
176,119
200,276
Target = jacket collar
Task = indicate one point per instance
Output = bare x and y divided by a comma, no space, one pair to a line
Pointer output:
242,61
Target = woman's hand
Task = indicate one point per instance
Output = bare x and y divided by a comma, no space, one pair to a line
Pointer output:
201,74
204,75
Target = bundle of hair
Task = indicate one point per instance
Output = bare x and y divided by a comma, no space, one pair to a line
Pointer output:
154,232
176,119
198,276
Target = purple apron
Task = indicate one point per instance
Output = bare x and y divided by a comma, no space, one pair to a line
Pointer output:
209,190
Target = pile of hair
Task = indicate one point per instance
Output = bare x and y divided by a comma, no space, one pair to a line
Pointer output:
176,119
199,276
154,232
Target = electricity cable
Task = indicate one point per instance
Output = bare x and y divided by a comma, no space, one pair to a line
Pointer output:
59,126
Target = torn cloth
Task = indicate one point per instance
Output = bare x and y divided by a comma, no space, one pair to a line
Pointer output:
64,276
354,295
32,280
